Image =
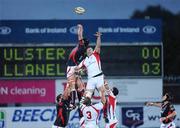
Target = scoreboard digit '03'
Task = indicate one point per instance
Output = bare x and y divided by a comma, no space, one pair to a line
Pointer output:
37,62
133,60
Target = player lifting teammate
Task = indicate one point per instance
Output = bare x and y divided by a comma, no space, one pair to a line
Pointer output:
91,112
109,109
63,109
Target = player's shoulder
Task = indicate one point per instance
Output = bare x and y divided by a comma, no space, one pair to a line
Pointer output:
95,52
112,96
110,93
171,105
82,107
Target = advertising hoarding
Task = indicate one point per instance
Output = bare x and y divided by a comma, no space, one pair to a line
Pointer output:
27,91
64,31
43,117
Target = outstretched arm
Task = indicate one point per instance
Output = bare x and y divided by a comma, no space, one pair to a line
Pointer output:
98,42
80,31
157,104
103,98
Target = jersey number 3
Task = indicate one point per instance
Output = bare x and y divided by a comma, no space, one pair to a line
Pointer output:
88,113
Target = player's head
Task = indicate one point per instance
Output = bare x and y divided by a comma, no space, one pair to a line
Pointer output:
89,51
86,42
59,98
87,101
167,97
115,91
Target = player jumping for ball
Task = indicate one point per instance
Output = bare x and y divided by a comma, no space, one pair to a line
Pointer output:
92,64
75,57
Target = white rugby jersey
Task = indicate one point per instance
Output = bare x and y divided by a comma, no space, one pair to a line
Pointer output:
93,64
91,114
111,105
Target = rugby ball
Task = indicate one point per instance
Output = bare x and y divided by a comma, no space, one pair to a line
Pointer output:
79,10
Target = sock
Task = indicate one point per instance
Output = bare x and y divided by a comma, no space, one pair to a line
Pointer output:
105,110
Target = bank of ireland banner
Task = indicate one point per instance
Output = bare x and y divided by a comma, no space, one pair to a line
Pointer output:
27,91
65,31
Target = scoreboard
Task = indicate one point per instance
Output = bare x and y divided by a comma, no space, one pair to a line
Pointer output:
39,62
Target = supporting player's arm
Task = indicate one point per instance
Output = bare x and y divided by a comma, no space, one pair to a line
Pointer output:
98,42
66,93
103,98
80,32
106,85
81,65
108,90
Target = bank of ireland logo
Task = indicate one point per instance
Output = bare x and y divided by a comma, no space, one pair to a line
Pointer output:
132,117
73,30
4,30
2,119
149,29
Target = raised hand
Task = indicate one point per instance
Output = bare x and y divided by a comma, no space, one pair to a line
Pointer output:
79,29
98,34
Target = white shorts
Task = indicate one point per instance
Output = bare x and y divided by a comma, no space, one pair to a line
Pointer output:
112,123
70,71
56,127
95,82
169,125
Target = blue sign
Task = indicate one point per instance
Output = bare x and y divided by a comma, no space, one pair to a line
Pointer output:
132,117
2,119
65,31
33,115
